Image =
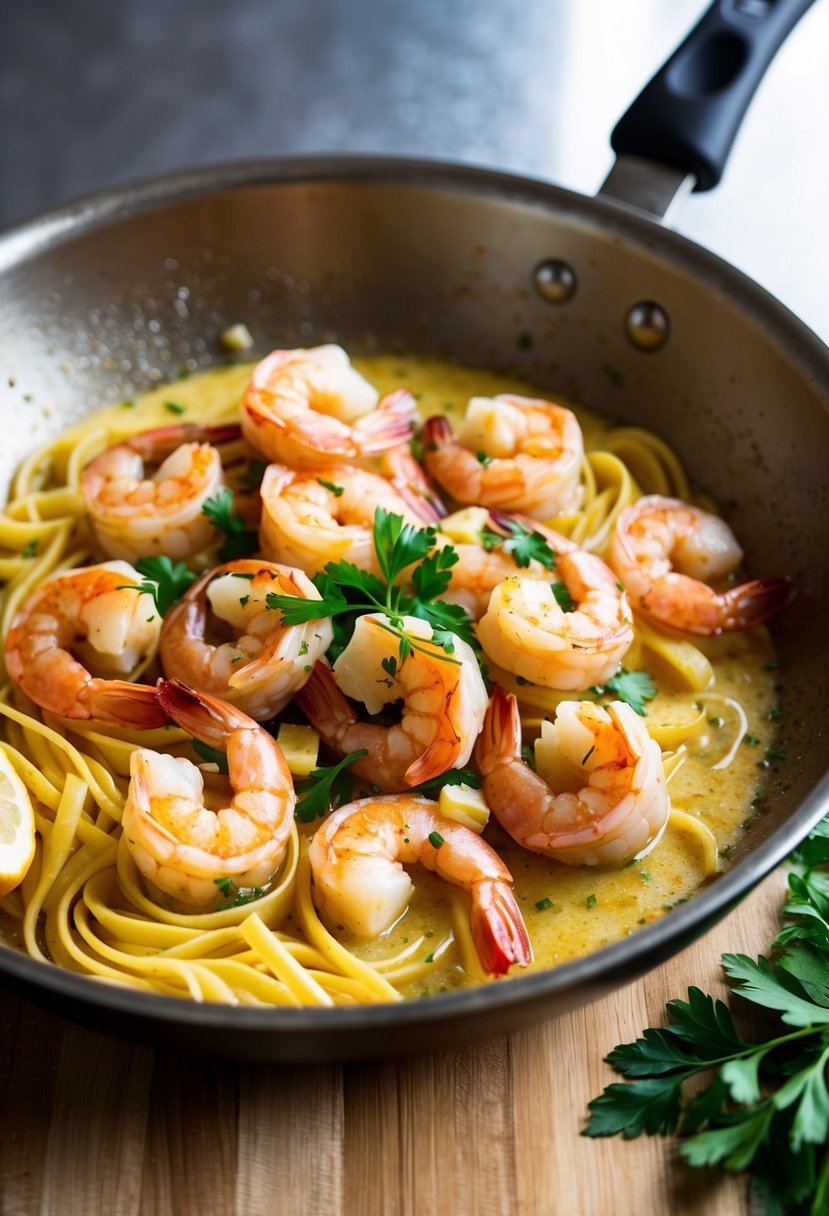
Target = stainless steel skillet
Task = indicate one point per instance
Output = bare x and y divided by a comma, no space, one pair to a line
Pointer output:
590,297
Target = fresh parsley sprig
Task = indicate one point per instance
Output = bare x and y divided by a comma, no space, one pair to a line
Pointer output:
327,786
165,581
523,544
634,687
347,592
765,1105
235,896
239,540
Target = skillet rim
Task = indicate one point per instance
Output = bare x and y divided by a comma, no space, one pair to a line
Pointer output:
611,965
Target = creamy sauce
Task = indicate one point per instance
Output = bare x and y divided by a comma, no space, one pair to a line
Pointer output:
569,912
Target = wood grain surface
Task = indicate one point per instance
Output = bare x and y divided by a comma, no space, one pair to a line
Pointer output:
91,1124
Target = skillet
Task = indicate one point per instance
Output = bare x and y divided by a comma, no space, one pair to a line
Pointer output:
590,298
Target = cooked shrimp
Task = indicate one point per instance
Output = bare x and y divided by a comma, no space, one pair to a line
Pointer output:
610,803
302,407
265,662
479,568
662,550
182,846
569,634
516,453
89,619
357,860
443,695
134,515
325,514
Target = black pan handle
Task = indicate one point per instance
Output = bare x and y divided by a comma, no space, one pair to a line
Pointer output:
689,113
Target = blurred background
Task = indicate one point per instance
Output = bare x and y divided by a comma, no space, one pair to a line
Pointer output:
96,92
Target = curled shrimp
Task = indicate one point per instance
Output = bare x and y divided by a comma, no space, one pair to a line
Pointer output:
569,634
610,803
357,860
302,407
265,662
325,514
444,702
662,549
90,619
134,515
514,453
411,483
182,846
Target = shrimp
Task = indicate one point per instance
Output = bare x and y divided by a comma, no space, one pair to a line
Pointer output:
134,515
610,804
93,617
313,517
444,702
412,484
266,662
516,453
357,860
180,845
481,567
568,635
304,406
662,549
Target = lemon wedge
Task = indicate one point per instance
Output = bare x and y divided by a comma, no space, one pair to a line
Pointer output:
17,828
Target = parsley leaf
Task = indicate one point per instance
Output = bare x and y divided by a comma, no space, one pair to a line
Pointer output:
327,786
210,754
337,491
764,1105
563,597
236,896
634,687
169,580
239,542
523,544
455,776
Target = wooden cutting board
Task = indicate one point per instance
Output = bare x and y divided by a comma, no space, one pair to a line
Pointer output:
91,1124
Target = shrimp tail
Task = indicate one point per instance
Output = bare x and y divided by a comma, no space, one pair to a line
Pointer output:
162,441
439,757
498,929
755,601
388,425
201,715
324,705
133,706
436,433
413,485
500,737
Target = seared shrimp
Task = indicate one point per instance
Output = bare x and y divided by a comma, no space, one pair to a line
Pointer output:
302,407
569,634
90,618
325,514
134,515
443,695
182,846
516,453
266,662
357,860
662,549
610,803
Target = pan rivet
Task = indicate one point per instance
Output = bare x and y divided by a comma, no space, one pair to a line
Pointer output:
554,280
647,325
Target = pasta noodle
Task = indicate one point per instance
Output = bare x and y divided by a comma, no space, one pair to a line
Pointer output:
84,905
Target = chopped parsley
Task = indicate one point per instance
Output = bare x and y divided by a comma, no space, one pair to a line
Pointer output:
523,544
634,687
543,904
327,786
236,896
175,407
591,901
563,597
337,491
436,840
239,541
30,548
164,580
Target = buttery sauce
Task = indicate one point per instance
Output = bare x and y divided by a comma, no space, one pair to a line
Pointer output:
568,911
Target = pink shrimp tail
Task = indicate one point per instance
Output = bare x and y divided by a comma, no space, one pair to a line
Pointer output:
388,425
436,433
500,737
162,441
498,929
205,717
133,706
755,602
324,705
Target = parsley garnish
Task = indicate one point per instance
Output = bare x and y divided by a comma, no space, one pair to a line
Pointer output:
337,491
522,544
239,541
327,786
29,549
635,687
436,840
764,1107
563,597
163,580
591,901
236,896
174,407
347,592
543,904
483,459
455,776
